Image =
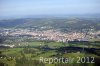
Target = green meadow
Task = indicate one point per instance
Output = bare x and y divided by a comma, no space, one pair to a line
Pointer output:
28,54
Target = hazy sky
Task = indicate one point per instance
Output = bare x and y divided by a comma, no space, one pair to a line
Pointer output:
46,7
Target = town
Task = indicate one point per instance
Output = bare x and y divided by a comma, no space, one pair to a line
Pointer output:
52,35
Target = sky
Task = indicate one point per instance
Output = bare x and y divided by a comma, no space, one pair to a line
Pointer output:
15,8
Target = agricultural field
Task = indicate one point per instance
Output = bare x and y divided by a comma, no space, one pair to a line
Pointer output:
29,54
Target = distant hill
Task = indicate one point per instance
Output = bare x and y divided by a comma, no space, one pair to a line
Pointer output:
55,23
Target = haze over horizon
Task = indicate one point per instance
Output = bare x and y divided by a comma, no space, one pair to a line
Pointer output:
23,8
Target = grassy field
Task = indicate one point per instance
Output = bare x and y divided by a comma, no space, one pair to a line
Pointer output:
29,52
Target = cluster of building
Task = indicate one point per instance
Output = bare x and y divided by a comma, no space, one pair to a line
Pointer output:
6,46
52,34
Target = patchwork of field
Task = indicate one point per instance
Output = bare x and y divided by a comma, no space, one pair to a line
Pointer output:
29,54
